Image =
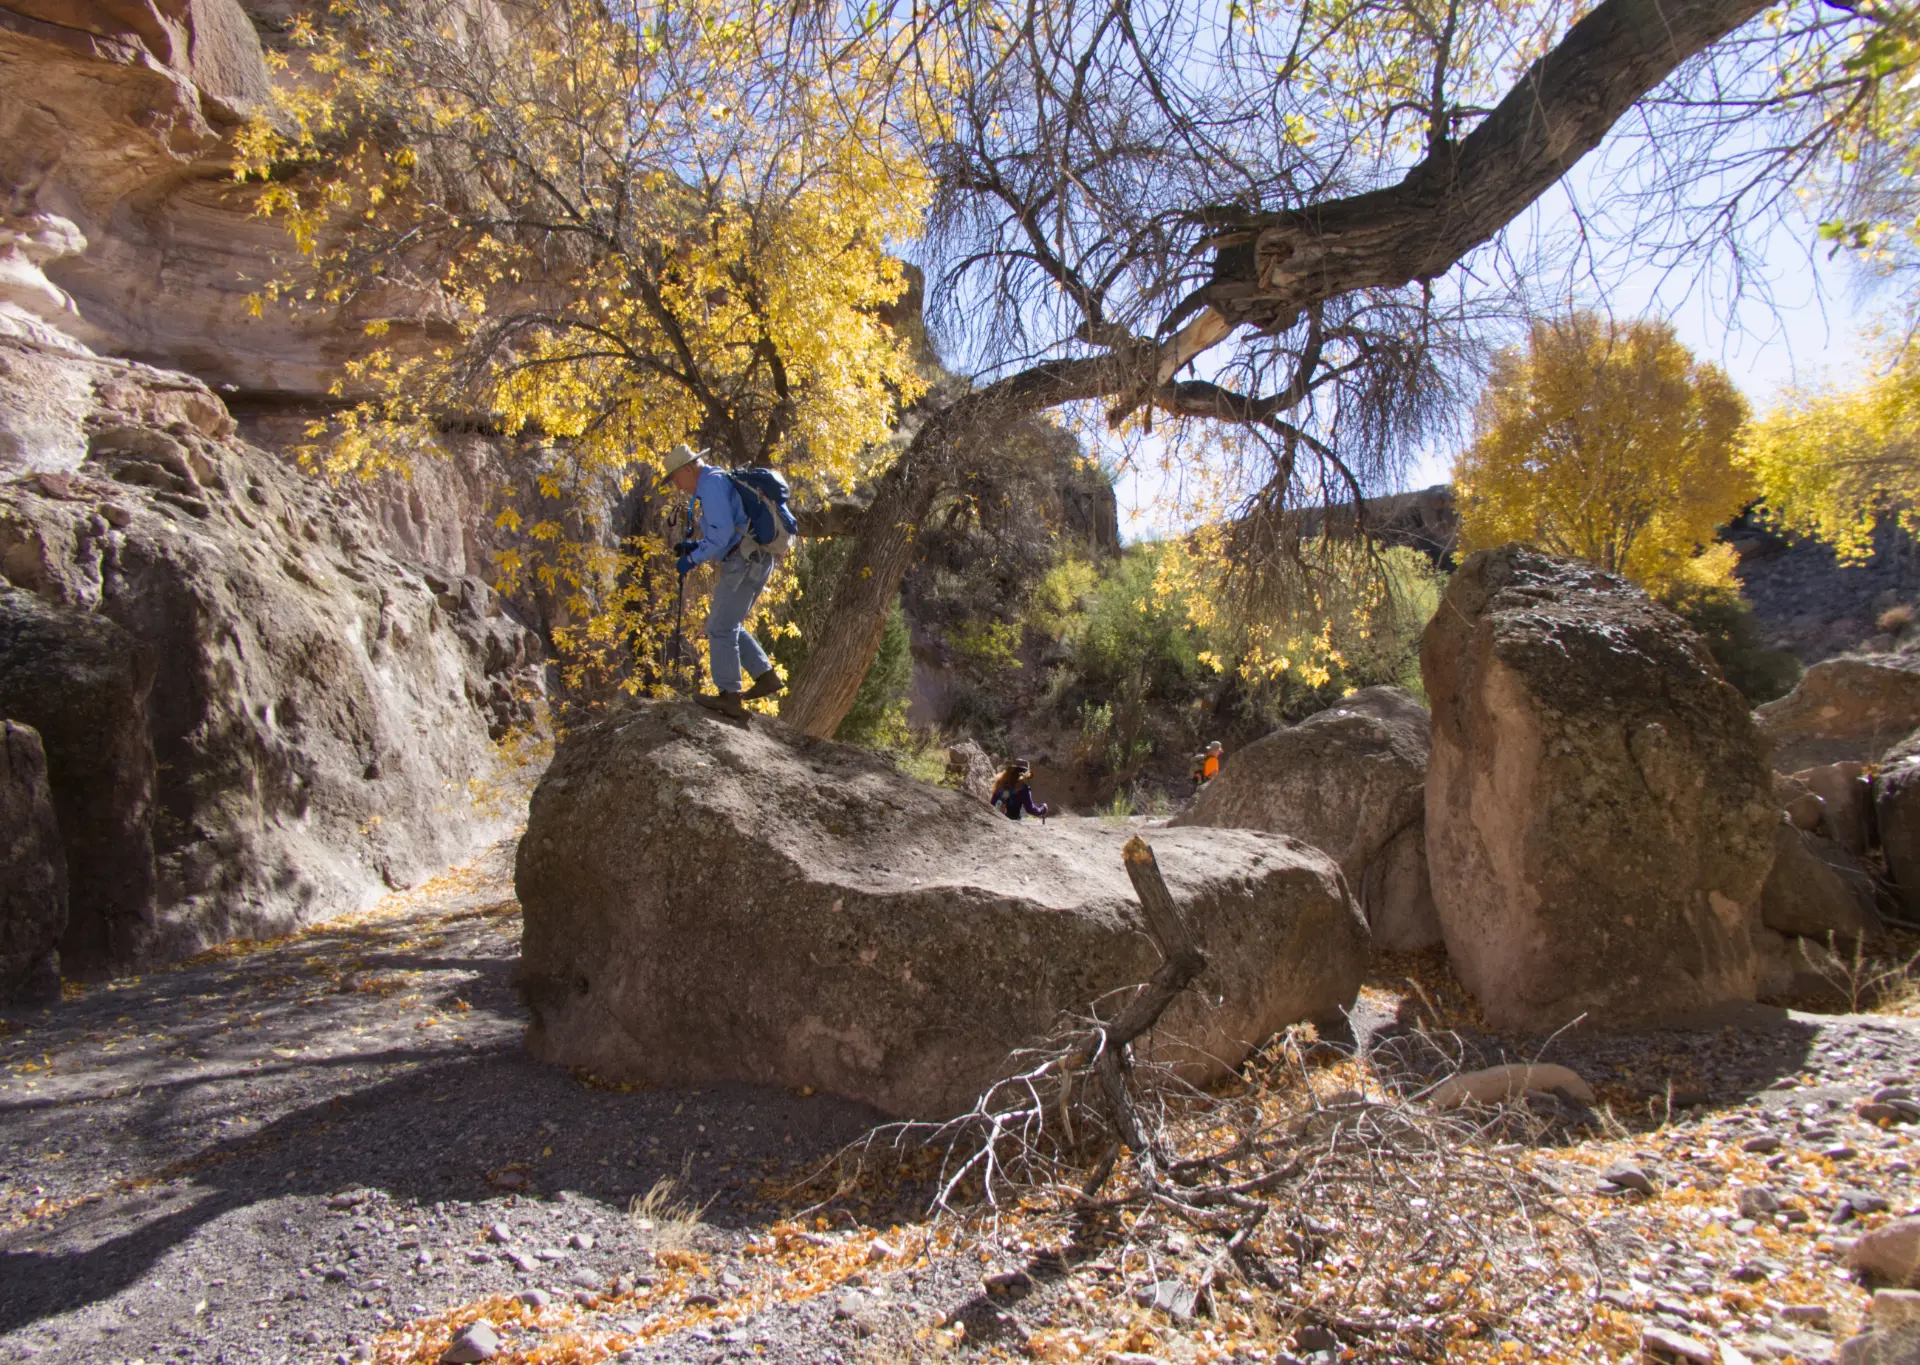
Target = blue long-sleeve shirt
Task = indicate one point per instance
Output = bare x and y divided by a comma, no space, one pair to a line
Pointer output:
721,516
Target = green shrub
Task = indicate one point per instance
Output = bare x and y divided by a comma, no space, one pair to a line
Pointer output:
1725,621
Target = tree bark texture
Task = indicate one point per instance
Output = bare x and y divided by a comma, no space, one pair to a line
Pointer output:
1270,267
884,543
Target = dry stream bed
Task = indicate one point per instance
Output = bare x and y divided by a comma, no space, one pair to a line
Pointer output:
330,1148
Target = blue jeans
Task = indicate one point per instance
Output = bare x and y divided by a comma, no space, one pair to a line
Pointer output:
728,644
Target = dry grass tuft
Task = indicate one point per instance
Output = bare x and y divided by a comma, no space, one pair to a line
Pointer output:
666,1214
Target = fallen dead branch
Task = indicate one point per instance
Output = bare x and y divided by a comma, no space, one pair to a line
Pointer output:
1351,1207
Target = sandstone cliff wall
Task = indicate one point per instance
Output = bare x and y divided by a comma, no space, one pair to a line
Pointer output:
308,717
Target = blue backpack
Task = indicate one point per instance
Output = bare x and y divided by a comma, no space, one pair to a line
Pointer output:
763,493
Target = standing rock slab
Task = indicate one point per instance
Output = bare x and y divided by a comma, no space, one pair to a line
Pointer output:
705,903
1845,709
1349,780
1599,810
33,871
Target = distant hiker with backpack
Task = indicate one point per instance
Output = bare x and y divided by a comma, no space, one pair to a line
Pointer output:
1012,794
739,519
1206,764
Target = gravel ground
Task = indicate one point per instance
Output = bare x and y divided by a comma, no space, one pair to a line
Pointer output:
331,1148
277,1155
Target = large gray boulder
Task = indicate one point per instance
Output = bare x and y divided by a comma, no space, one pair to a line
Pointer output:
1350,780
1846,709
710,903
1599,811
33,871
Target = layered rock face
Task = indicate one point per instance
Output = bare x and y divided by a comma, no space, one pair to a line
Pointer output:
246,701
1599,814
33,871
1350,780
118,124
709,903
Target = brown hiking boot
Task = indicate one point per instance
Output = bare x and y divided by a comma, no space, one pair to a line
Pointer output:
766,685
723,703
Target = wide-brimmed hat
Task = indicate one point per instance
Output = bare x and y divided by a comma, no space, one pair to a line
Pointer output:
678,458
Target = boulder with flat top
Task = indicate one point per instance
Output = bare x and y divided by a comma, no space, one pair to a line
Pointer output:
707,902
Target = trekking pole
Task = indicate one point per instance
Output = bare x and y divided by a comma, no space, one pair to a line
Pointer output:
676,647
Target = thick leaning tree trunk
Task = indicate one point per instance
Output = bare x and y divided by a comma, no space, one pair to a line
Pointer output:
1268,268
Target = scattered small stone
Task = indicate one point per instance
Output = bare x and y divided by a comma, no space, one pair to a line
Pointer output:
1875,1112
581,1241
348,1199
729,1280
1314,1337
1889,1093
879,1249
1013,1282
1812,1314
1756,1203
536,1299
1625,1175
1896,1308
522,1262
703,1300
1761,1145
1660,1341
475,1342
585,1279
1890,1253
1840,1152
499,1233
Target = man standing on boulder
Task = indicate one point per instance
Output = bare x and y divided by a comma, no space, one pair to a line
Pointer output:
721,518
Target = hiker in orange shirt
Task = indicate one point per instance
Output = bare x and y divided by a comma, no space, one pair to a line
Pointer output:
1206,764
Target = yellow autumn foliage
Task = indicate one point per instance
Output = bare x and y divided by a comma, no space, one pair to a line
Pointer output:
596,228
1831,463
1609,442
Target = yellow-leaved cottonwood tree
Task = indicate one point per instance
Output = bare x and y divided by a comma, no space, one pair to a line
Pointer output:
1834,461
1607,441
608,225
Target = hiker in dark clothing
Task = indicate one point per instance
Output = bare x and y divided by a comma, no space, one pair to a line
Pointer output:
1012,794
